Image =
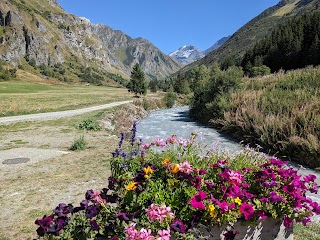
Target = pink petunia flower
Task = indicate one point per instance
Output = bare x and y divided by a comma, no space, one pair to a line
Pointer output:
247,210
196,200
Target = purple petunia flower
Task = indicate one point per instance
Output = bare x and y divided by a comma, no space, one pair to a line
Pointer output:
50,225
94,225
230,235
178,226
305,221
91,211
62,210
196,200
247,210
209,185
197,182
276,198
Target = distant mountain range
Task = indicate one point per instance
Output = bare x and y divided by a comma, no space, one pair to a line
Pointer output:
189,54
41,32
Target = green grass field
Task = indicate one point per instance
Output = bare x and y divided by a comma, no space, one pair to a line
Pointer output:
20,97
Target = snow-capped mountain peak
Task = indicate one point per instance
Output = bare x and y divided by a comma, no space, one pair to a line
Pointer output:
187,54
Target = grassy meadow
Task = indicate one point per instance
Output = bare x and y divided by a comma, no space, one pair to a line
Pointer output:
20,97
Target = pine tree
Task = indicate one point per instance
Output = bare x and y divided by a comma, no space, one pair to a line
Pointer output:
137,82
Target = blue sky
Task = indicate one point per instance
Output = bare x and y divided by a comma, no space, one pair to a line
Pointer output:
170,24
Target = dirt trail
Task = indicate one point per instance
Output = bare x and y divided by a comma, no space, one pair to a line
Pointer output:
56,115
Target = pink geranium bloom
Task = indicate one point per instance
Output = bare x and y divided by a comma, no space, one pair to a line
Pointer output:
185,167
196,200
164,234
159,213
171,140
232,177
159,142
146,146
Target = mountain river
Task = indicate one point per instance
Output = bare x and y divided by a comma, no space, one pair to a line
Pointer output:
164,123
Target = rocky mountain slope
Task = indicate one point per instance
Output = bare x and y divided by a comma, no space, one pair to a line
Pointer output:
187,54
41,32
256,29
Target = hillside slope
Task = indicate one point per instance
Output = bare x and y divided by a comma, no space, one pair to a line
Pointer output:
42,32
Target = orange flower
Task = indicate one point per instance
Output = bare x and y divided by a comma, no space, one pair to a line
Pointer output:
175,168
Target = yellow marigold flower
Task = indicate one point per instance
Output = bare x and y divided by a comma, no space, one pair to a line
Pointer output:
212,211
211,207
148,170
131,186
175,168
238,201
146,176
166,160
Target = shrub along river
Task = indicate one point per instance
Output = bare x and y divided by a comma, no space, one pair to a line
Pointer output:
164,123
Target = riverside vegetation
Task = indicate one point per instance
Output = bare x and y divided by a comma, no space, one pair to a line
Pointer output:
278,111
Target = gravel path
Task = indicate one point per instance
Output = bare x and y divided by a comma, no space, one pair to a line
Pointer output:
55,115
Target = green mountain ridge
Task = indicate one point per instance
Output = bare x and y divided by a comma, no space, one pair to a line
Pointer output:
42,32
256,29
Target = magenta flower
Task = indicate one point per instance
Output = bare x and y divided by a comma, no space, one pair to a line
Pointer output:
277,162
262,215
287,222
247,210
310,178
196,200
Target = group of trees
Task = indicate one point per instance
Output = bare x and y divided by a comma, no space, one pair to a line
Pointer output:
292,45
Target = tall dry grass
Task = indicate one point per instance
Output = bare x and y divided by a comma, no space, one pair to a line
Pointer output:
280,112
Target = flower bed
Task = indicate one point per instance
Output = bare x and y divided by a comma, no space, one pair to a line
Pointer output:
176,189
